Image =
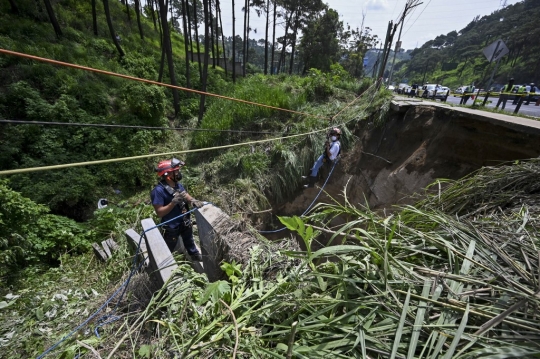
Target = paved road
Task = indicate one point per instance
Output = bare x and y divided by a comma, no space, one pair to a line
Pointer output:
530,110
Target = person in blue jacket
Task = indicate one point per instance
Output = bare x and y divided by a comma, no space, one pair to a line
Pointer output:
170,200
332,149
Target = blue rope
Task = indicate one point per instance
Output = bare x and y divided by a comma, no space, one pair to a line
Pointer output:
312,203
124,285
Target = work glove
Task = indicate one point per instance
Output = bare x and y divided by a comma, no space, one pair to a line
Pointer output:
196,203
179,197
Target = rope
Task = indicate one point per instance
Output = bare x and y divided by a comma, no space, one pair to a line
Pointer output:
312,203
165,154
67,64
22,122
102,320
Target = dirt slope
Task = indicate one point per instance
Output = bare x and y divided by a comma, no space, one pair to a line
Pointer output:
414,148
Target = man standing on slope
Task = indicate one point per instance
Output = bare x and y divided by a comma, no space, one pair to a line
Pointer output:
332,149
170,200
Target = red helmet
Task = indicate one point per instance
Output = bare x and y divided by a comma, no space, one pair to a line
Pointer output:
164,167
335,131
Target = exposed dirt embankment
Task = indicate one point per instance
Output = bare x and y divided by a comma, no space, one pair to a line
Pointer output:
414,148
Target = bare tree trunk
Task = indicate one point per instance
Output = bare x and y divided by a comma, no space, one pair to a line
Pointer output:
53,19
222,38
111,29
14,8
153,14
273,40
206,55
162,61
94,17
186,46
127,11
211,33
138,12
189,28
282,56
168,52
233,45
266,38
244,45
247,37
293,42
197,36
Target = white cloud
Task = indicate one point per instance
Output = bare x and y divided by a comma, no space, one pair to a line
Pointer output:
377,5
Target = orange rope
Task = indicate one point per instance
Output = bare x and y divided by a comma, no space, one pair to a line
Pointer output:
37,58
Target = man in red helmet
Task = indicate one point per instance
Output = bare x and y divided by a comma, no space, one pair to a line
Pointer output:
332,149
170,200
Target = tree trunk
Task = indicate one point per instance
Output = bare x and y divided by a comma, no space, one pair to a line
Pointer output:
111,29
127,11
293,42
186,46
168,52
233,45
162,61
197,36
211,33
247,38
153,14
206,55
189,28
222,38
94,18
282,56
53,19
14,8
266,38
244,47
138,12
273,40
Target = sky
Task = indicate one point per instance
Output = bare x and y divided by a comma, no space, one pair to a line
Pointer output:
425,22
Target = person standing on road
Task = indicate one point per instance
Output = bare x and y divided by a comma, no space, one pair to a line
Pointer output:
412,91
506,91
466,94
519,94
532,92
170,200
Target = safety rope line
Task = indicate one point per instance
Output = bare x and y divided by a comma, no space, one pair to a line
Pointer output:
78,124
122,159
103,72
312,203
102,320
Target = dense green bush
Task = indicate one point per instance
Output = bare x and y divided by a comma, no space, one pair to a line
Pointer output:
28,234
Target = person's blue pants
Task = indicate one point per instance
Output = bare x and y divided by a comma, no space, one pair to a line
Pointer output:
317,165
171,236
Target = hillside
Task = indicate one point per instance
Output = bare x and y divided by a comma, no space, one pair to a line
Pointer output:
456,58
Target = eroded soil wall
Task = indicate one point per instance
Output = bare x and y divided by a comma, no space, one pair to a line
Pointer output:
390,163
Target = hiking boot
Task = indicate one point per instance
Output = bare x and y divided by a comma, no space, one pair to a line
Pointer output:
197,257
311,182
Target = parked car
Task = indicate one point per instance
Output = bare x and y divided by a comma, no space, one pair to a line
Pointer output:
401,88
459,91
440,91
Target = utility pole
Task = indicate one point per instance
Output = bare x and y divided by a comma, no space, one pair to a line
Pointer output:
387,44
409,5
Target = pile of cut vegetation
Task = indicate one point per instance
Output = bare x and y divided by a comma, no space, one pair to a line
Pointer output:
455,276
